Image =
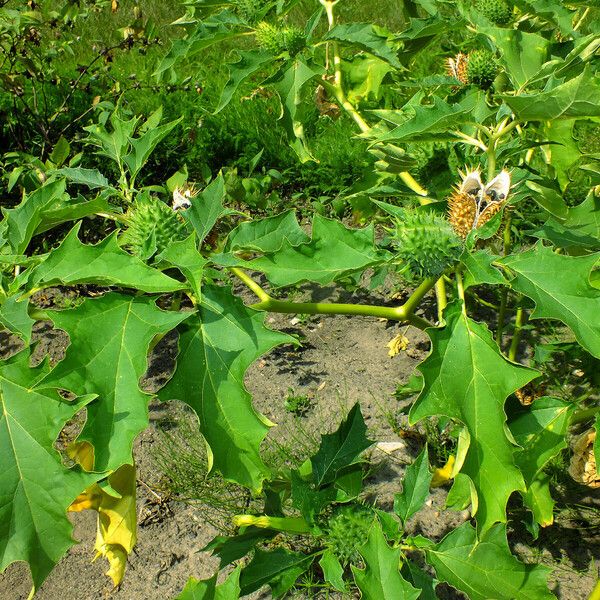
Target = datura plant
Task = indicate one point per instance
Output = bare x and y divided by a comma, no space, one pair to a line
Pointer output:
474,155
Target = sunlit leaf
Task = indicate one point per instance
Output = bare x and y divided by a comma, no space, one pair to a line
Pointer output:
279,568
559,285
381,579
367,37
106,263
15,317
268,234
415,487
466,378
35,486
341,448
208,589
217,345
485,568
107,356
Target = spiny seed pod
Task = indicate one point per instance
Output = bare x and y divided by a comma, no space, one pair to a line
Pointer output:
482,68
498,12
426,244
276,41
348,529
151,227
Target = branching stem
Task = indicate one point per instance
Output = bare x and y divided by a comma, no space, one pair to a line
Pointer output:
404,313
520,320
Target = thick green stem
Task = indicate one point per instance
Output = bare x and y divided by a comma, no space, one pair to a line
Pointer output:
442,298
337,61
506,245
338,93
397,313
520,320
501,316
460,288
403,313
251,284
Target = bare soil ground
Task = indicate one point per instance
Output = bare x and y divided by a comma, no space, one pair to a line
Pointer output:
341,361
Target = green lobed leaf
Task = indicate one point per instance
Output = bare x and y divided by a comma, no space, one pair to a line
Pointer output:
35,487
462,494
522,53
143,145
367,37
553,12
333,572
290,87
60,152
538,499
14,316
466,378
310,499
381,578
479,269
333,252
415,487
484,568
115,143
91,178
22,221
104,264
340,449
232,548
435,121
107,356
268,234
560,287
576,98
208,589
250,62
279,568
185,256
72,210
206,207
217,345
208,32
540,431
423,581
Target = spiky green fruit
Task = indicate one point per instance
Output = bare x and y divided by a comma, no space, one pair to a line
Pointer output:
277,40
498,12
348,529
426,244
482,69
151,226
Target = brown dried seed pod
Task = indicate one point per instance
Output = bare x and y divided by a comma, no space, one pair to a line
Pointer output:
457,67
529,393
488,213
462,210
583,462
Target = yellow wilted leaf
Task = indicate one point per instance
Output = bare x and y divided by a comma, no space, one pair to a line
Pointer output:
443,474
117,519
114,6
396,345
